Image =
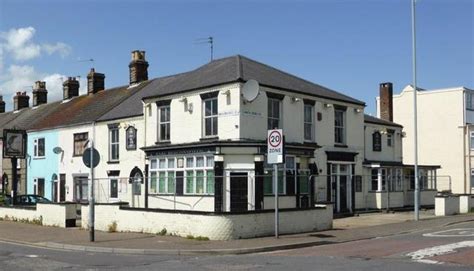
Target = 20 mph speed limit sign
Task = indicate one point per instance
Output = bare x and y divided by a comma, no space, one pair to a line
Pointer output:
275,146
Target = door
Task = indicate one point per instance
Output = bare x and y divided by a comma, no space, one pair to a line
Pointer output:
114,188
238,192
62,187
341,187
40,191
80,189
55,191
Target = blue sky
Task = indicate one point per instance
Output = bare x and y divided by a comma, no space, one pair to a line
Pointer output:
347,45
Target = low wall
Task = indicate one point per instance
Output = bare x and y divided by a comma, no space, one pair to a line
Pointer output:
466,204
446,205
215,226
48,214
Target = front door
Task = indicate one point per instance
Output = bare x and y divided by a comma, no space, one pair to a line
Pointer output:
341,189
62,187
80,189
55,191
238,192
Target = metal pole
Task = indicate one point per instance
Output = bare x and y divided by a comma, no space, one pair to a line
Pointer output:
14,184
417,181
91,189
275,185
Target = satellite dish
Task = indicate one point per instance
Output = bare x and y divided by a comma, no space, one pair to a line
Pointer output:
57,150
250,90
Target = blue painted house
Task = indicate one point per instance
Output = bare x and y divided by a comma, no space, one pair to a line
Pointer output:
42,165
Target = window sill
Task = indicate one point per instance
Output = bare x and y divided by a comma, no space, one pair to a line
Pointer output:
39,157
113,162
208,138
337,145
162,142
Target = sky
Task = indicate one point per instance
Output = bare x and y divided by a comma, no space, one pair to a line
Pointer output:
346,45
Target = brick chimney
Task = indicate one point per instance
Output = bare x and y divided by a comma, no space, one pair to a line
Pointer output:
2,104
70,88
138,67
386,101
40,94
95,82
20,101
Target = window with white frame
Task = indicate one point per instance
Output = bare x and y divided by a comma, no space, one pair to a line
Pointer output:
469,101
339,126
274,106
210,116
198,174
164,124
308,122
114,143
39,148
472,140
286,170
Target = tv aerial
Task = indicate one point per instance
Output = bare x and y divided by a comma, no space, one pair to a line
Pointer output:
208,40
250,90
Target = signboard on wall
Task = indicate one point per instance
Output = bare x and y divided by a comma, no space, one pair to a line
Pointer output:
131,136
275,146
14,143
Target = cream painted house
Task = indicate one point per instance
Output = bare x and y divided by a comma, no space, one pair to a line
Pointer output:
206,144
445,133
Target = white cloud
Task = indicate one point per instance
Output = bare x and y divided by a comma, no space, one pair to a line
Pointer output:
19,42
61,48
22,78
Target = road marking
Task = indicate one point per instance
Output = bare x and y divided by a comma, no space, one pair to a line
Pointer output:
420,255
452,233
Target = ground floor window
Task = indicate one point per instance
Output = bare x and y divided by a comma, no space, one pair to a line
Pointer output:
39,186
114,188
383,178
197,170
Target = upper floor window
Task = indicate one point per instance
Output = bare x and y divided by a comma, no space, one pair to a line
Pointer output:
376,141
469,101
80,143
164,124
210,117
472,140
274,113
39,148
339,126
113,143
390,139
308,122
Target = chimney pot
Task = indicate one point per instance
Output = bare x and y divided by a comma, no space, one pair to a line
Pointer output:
95,82
70,88
138,67
40,94
20,101
2,104
386,101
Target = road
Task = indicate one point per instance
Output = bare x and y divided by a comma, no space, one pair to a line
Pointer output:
448,248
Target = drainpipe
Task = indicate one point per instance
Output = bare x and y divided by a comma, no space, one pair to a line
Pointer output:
145,119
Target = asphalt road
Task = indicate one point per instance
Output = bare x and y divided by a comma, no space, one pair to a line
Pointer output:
449,248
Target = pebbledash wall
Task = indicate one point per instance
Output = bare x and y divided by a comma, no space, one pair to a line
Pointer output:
215,226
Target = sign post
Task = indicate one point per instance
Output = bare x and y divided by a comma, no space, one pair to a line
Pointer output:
275,156
91,158
14,147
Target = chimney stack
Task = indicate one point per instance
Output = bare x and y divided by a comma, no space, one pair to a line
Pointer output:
20,101
70,88
40,94
2,104
95,82
386,101
138,67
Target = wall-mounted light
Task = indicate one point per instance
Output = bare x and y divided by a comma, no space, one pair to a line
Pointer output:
295,99
328,105
189,107
183,99
358,110
227,92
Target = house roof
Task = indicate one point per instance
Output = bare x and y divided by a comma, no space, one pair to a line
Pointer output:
26,118
86,108
374,120
240,69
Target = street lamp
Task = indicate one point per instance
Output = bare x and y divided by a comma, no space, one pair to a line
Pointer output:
417,182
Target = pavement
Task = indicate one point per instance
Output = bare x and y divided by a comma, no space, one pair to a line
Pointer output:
362,227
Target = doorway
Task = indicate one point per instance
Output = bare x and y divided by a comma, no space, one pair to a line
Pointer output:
341,187
62,187
81,190
238,191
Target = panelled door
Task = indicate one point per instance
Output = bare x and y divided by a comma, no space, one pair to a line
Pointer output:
238,191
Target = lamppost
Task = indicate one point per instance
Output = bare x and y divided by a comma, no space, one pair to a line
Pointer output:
415,122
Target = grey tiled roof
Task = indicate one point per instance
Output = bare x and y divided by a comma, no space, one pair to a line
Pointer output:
370,119
240,68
